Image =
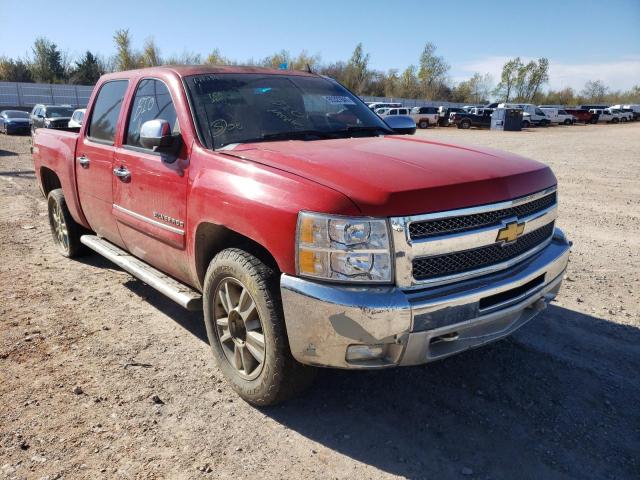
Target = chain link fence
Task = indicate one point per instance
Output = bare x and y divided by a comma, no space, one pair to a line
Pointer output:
16,94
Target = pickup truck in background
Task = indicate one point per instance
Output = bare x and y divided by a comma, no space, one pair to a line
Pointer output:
308,232
475,117
558,115
582,115
425,116
445,113
605,115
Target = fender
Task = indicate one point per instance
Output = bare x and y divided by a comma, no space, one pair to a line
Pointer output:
55,150
256,201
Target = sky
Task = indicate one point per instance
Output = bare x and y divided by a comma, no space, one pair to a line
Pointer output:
584,40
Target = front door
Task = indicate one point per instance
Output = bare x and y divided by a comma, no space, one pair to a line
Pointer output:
150,193
94,160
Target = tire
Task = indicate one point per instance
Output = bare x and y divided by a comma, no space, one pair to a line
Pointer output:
526,124
465,124
624,119
423,124
615,120
567,122
64,229
593,120
247,285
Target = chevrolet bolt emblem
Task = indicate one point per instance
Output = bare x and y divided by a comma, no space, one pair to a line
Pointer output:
510,232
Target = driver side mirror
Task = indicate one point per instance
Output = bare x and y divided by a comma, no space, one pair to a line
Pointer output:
156,135
401,124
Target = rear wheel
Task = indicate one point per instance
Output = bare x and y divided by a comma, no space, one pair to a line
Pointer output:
465,124
526,124
567,122
246,329
423,124
615,120
66,232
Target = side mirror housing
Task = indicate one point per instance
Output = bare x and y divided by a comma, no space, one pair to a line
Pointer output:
401,124
156,135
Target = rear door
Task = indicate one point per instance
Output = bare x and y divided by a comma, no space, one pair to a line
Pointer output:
94,159
150,204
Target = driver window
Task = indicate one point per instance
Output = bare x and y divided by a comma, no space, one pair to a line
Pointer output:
151,101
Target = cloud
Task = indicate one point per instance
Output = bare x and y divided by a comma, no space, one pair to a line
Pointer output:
619,74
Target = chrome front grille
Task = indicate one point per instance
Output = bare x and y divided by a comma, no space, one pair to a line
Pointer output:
444,247
443,226
449,264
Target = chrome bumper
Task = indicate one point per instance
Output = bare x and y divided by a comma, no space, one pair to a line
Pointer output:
417,326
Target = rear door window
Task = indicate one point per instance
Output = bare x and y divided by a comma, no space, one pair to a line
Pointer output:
106,110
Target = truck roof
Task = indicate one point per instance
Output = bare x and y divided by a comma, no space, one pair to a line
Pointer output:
187,70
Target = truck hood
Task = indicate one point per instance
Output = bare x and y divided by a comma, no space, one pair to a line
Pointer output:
402,175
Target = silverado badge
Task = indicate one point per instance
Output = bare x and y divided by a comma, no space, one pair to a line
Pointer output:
510,232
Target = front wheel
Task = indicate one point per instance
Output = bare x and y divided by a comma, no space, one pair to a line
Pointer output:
465,124
246,329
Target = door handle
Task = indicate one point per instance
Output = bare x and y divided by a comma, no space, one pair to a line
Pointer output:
83,161
122,173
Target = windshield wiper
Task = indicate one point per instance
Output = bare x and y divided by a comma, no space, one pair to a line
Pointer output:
366,129
292,135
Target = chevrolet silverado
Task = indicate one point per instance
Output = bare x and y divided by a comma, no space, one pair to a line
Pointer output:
307,230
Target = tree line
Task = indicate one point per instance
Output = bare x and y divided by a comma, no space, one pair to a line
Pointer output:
428,79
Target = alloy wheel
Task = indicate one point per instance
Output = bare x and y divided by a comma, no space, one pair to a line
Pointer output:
239,328
60,230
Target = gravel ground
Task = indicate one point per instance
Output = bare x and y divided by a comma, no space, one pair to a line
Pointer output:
101,377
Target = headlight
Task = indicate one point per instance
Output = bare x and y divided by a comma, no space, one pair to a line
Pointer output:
352,249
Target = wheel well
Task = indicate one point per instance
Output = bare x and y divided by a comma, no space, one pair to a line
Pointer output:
212,239
49,180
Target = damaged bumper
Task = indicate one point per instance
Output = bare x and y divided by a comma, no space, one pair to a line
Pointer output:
375,327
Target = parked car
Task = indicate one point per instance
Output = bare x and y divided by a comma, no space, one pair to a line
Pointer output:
475,117
634,109
14,121
386,112
50,116
376,105
77,117
425,116
536,116
581,115
605,115
444,115
558,115
307,233
624,116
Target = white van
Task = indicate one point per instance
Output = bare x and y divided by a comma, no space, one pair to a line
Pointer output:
551,113
536,115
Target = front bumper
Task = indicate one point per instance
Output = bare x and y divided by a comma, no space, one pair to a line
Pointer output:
412,327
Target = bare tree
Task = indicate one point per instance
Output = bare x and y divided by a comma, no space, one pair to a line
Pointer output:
594,91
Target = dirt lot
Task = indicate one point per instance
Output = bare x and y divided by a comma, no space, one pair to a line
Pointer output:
559,399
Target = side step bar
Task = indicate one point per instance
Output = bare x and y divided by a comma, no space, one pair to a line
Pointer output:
176,291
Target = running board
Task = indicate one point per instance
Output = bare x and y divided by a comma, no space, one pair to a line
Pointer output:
176,291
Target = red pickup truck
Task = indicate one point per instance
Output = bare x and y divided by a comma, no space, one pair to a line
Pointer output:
308,231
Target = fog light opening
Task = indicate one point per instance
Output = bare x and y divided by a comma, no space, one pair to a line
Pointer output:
363,353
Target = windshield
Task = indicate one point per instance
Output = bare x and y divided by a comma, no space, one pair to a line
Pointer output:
240,108
59,112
